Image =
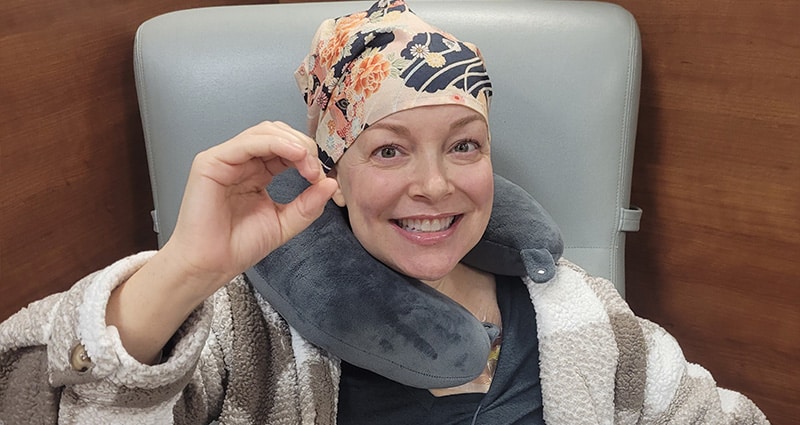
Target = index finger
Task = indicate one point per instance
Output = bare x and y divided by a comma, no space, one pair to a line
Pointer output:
292,134
300,137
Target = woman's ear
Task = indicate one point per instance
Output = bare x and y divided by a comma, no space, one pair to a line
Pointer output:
337,197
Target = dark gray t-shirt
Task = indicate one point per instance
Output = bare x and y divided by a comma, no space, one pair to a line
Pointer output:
515,396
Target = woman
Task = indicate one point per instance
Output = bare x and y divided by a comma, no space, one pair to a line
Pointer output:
399,111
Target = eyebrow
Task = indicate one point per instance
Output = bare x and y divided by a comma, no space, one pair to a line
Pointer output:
403,131
466,120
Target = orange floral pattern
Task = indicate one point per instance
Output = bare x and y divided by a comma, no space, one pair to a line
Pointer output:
345,27
368,73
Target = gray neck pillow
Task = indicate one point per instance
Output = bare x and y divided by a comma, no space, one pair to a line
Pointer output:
340,298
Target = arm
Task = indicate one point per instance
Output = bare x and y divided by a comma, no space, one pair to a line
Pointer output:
227,222
38,383
123,316
41,381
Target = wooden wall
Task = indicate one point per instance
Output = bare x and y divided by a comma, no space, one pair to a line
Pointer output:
717,171
74,186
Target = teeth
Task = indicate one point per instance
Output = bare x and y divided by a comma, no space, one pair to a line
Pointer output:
427,225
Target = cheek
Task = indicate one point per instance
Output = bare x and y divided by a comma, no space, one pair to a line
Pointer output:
367,196
478,184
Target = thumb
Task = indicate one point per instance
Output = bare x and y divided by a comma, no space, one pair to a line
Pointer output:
307,207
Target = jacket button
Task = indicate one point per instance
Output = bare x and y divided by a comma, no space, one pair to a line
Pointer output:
78,359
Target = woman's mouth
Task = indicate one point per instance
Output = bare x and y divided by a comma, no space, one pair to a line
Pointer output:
426,225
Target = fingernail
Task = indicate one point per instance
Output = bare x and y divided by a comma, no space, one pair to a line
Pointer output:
298,145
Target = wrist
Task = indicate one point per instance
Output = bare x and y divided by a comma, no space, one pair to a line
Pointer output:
154,302
192,281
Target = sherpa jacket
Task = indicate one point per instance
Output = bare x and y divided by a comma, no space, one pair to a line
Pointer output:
237,361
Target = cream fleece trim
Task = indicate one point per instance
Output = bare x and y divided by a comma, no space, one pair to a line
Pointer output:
104,346
94,334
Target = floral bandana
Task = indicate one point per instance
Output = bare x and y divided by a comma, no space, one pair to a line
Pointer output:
367,65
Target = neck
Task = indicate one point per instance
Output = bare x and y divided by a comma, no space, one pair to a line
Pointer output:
474,289
477,292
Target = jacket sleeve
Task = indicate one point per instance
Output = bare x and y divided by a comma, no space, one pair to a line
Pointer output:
61,363
602,364
680,392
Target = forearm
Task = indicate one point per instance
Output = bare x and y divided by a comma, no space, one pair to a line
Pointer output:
38,342
152,304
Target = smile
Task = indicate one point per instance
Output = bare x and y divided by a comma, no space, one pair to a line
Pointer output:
427,225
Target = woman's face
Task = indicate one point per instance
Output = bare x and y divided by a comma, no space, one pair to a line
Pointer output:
418,187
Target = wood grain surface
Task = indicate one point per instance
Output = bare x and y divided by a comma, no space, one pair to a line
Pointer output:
74,186
717,173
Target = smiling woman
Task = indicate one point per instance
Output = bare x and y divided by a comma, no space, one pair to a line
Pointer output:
418,188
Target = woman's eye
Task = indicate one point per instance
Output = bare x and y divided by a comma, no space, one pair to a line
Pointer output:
465,146
387,152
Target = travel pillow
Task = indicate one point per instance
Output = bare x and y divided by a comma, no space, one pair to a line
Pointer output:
340,298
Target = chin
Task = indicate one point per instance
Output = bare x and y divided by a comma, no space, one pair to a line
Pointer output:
426,271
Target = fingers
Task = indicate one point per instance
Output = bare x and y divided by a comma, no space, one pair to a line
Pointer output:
310,144
307,207
299,136
247,146
276,145
291,134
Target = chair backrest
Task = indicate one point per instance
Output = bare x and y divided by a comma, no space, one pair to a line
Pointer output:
565,78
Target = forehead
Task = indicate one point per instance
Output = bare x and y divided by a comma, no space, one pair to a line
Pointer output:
433,116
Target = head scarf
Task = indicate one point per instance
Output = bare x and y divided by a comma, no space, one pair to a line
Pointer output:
367,65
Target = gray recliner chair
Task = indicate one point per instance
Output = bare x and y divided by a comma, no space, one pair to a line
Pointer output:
566,88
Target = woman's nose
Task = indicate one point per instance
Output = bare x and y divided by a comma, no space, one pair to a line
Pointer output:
431,181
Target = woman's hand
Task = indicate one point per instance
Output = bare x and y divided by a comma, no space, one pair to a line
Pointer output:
227,222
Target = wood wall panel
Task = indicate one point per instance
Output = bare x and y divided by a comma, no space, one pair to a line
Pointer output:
717,172
74,188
